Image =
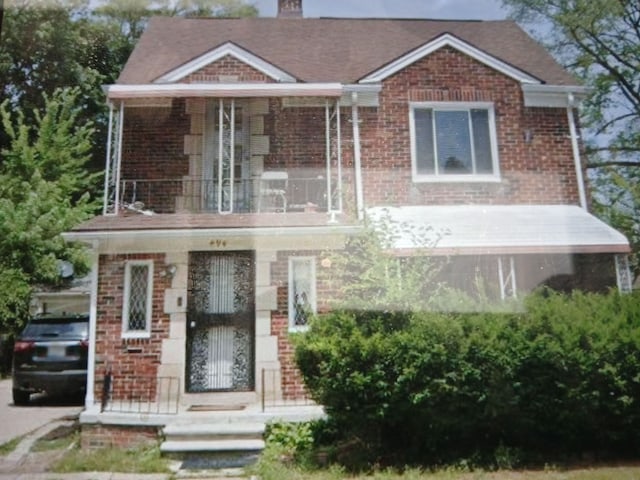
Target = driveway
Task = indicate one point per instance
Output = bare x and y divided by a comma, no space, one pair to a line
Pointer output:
18,421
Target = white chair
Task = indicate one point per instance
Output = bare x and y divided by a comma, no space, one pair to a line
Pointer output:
273,189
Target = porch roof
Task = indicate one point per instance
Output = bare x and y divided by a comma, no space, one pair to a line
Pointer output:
188,224
225,90
505,229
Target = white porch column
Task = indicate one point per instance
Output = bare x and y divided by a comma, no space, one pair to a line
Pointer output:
576,151
113,161
89,399
623,273
357,155
507,277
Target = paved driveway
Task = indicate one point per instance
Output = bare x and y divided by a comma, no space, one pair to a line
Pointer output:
17,421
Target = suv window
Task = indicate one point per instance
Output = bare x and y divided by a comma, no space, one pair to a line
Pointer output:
56,327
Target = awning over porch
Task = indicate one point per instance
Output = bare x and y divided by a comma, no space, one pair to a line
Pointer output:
224,90
503,229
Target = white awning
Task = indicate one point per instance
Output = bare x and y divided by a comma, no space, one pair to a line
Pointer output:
502,229
238,90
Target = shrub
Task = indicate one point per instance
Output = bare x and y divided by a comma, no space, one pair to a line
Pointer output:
561,378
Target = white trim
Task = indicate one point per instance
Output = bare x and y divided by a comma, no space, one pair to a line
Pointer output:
233,50
554,96
311,261
181,233
573,133
89,398
357,156
448,40
180,90
146,333
623,273
453,178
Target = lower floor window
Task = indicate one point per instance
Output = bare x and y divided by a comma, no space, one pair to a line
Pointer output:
137,304
302,291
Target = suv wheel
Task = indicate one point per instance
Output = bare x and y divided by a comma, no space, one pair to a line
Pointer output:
20,397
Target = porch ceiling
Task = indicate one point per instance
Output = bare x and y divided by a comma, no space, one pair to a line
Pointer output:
507,229
186,224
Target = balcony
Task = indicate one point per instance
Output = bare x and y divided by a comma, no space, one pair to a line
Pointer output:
273,192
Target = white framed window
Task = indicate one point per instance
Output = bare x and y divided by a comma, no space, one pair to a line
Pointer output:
138,299
302,291
453,141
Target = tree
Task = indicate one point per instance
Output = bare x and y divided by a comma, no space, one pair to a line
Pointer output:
56,45
131,16
599,40
44,191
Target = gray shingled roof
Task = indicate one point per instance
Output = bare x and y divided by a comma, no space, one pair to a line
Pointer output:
329,50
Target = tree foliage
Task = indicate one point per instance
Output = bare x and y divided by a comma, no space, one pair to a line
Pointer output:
44,191
131,16
366,275
599,40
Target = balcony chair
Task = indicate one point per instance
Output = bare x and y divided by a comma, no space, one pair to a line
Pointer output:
273,190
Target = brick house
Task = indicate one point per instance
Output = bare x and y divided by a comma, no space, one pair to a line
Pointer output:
242,149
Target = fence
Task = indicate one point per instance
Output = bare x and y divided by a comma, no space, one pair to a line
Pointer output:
147,395
275,395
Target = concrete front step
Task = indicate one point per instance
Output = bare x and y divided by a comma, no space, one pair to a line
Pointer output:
206,431
211,446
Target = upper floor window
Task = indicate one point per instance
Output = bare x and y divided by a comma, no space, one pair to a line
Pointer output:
302,291
453,141
137,304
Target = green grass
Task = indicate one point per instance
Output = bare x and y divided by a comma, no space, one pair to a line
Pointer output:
59,439
8,447
273,466
141,460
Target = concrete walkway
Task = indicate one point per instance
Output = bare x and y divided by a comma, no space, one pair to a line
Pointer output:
18,421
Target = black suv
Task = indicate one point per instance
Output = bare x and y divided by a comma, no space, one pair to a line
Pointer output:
50,355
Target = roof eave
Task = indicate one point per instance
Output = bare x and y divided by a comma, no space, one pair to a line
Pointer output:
555,96
448,40
227,49
237,90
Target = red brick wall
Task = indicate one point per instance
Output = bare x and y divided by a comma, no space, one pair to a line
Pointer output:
292,384
228,66
105,436
153,148
133,362
539,172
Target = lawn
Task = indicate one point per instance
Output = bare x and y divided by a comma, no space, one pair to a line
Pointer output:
600,473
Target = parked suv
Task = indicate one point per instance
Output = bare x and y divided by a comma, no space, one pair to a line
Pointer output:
50,355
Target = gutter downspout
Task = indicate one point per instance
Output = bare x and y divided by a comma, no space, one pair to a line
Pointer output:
357,155
93,322
576,151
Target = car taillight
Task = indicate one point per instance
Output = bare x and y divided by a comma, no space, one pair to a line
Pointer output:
20,347
84,344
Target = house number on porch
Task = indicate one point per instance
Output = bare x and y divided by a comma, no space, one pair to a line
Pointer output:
218,243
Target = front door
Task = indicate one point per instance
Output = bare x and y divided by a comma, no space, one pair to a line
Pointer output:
220,322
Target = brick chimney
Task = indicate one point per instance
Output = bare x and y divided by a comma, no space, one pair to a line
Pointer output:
290,8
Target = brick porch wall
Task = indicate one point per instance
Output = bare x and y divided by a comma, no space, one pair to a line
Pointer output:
134,362
94,436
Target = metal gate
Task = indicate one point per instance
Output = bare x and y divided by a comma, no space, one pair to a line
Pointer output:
220,322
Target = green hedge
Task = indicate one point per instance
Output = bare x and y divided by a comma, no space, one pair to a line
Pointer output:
558,380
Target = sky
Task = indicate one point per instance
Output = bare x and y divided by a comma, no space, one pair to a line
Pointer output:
436,9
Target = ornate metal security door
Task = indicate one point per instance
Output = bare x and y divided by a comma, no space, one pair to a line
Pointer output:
220,322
